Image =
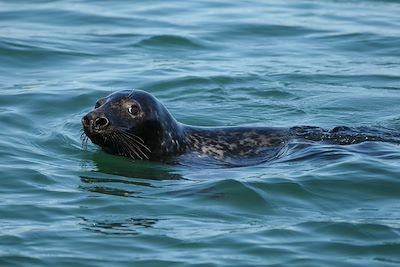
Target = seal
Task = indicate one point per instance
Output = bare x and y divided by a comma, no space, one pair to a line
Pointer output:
134,124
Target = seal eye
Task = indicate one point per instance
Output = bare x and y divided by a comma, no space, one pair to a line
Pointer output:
98,104
134,110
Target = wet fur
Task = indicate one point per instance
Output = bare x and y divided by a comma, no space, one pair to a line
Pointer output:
154,134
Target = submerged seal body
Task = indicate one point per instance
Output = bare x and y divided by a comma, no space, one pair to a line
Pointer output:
136,125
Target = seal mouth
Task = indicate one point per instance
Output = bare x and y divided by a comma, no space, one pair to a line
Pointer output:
118,141
97,137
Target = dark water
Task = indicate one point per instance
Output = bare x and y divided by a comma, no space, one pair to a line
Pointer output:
225,63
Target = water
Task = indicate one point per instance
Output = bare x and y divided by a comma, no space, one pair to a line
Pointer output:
247,63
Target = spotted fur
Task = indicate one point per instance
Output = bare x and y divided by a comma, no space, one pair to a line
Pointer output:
152,133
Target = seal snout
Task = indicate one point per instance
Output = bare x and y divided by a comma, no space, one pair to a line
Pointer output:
95,121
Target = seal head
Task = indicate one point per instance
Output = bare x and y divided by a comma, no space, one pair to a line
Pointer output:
133,124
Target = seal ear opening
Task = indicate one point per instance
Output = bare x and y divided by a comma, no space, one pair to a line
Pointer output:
99,103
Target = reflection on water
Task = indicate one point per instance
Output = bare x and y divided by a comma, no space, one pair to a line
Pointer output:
125,167
126,227
119,176
97,180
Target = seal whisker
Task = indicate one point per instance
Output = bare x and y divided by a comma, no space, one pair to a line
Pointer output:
135,136
131,93
132,146
127,151
131,134
136,145
114,143
84,138
131,137
136,139
123,147
129,148
141,151
137,154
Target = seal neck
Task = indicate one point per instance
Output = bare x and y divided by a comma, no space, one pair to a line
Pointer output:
164,137
172,141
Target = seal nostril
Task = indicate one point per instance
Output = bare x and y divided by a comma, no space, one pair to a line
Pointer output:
101,122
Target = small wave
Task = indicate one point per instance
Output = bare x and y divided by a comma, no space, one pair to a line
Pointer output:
362,42
265,30
25,52
170,41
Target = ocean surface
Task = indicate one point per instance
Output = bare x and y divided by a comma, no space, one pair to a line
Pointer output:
212,63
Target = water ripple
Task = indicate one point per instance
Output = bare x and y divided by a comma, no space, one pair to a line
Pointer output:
225,63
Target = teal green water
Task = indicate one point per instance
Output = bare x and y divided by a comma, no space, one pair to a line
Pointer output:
225,63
